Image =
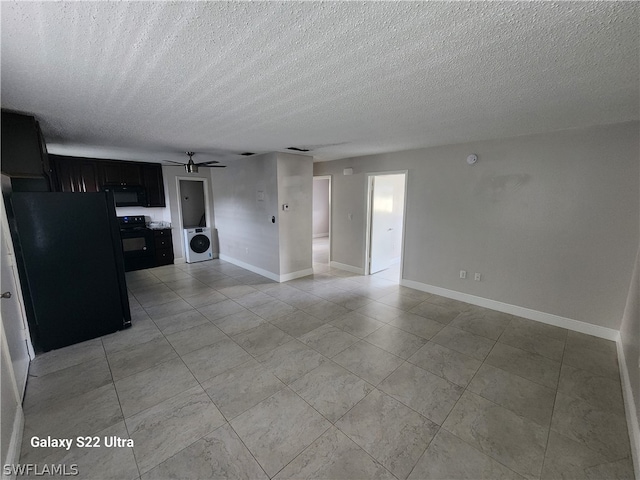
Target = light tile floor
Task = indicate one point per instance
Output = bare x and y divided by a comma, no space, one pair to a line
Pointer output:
226,374
320,249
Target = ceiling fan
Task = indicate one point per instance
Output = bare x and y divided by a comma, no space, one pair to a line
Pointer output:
192,167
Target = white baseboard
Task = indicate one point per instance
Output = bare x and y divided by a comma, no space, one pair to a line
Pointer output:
251,268
293,275
13,453
265,273
320,235
348,268
548,318
630,409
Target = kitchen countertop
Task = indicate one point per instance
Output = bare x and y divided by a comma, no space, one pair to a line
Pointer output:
159,227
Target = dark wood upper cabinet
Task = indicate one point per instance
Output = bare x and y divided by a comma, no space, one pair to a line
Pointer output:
64,175
24,153
77,174
153,182
121,173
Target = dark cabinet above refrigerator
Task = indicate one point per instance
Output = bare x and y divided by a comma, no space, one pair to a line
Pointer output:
24,153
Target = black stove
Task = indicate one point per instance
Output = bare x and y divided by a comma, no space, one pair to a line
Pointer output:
137,243
135,222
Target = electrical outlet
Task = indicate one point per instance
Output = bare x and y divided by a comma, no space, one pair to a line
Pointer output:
463,274
477,277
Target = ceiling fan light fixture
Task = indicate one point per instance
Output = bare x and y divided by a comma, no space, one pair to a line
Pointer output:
191,167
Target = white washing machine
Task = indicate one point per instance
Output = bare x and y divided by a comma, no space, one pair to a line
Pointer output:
197,243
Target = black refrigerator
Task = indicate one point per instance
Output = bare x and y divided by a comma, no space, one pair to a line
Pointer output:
71,266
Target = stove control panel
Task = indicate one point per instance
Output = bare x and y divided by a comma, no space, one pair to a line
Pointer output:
132,221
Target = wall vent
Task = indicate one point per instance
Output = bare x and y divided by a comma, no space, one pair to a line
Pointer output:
247,154
296,149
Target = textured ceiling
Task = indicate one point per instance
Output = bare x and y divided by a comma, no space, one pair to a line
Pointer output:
149,80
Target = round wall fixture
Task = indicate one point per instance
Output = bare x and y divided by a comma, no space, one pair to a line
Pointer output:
471,159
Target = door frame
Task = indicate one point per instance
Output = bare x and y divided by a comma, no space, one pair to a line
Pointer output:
207,203
368,202
322,177
205,187
16,291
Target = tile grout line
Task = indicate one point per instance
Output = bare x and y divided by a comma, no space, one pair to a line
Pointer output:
124,421
466,388
553,409
326,322
227,422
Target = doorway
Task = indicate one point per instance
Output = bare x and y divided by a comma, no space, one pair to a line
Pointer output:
13,315
321,223
192,204
194,210
386,200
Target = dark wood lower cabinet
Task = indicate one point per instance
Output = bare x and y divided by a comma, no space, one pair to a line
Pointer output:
164,247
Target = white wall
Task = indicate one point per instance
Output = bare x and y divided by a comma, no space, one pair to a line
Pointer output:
629,347
549,220
247,194
12,418
630,343
154,214
320,207
295,189
246,197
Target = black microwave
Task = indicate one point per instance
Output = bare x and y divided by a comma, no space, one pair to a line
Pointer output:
128,195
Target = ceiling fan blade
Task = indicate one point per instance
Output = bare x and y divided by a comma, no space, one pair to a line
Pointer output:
171,161
213,166
206,163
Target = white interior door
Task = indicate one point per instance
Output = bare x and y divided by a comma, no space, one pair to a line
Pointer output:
387,215
13,315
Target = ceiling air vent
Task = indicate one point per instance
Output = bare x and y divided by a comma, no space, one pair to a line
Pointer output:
296,149
247,154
